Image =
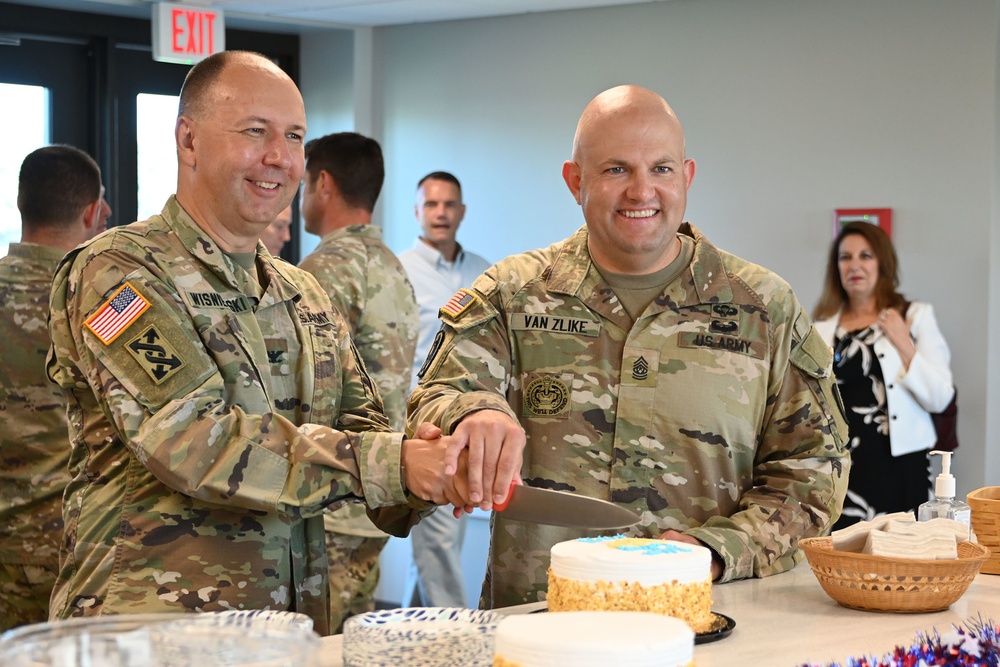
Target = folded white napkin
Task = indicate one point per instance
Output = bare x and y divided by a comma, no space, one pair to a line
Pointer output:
930,546
854,537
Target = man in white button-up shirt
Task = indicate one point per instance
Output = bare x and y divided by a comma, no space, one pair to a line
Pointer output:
438,266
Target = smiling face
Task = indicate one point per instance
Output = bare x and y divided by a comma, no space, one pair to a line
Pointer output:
242,154
630,176
858,266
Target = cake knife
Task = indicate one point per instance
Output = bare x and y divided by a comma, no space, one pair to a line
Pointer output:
559,508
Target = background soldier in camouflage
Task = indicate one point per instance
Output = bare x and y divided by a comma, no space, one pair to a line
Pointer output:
368,285
61,201
216,403
646,367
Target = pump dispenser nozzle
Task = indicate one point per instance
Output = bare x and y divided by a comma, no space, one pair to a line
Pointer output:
944,485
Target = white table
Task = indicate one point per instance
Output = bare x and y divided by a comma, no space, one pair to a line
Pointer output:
787,621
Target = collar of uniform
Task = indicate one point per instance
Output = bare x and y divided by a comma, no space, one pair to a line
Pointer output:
198,242
370,230
571,264
707,272
280,283
37,252
433,255
707,280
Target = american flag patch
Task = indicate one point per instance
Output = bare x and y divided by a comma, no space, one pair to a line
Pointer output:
122,309
459,303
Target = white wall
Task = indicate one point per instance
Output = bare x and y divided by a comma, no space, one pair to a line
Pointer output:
327,79
792,108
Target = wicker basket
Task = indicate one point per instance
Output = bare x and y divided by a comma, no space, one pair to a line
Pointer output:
877,583
985,504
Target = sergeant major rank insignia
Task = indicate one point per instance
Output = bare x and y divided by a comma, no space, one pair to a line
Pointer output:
117,314
640,369
458,304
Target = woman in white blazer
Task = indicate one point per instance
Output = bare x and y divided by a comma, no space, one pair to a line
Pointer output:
891,363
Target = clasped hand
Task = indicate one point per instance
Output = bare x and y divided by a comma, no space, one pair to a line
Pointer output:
474,466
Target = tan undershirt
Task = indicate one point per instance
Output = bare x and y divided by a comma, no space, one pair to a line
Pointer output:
636,292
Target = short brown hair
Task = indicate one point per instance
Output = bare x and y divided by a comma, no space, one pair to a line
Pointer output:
55,184
834,295
355,163
200,78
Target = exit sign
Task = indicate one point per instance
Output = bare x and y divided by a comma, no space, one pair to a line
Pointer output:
185,33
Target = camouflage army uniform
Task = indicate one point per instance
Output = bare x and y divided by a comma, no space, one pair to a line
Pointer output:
369,287
34,442
193,487
714,414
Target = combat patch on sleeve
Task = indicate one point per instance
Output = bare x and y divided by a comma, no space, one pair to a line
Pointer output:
458,304
118,313
432,353
155,355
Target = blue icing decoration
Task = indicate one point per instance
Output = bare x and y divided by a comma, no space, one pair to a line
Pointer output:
605,538
655,548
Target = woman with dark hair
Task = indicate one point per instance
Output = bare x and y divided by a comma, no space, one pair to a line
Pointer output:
891,363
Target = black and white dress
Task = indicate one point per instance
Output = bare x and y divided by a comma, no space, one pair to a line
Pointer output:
880,483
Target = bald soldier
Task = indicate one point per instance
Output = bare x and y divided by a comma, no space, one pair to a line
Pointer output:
216,402
61,201
646,367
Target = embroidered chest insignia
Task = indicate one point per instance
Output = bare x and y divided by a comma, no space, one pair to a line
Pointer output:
546,396
640,369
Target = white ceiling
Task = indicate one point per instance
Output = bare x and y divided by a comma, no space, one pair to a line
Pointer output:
339,13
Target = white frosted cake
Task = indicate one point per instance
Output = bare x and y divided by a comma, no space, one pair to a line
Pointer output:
633,574
593,639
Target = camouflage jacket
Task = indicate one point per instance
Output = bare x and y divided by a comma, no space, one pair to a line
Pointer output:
369,287
34,442
714,414
212,421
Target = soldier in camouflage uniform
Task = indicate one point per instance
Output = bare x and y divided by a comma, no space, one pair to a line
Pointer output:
646,367
368,285
62,204
216,402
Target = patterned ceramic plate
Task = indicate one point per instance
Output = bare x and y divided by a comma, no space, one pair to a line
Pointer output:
420,637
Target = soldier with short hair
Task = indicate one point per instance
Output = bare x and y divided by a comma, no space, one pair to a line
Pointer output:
646,367
217,405
368,285
61,201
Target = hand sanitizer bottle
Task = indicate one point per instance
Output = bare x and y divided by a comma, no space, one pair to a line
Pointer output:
944,505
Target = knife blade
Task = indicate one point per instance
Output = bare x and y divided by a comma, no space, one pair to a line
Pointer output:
559,508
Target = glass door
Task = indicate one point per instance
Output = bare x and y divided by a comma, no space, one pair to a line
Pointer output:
44,85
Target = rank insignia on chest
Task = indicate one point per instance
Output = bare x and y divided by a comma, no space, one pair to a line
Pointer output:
459,303
640,369
117,314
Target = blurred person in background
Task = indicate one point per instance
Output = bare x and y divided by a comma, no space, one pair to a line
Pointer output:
277,234
891,363
438,266
61,200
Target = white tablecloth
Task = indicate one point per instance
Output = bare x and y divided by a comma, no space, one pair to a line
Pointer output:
787,620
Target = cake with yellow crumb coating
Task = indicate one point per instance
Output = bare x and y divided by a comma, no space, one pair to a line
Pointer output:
633,574
593,639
